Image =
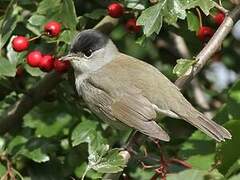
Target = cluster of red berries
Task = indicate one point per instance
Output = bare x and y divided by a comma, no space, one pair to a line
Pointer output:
205,32
35,58
46,62
116,10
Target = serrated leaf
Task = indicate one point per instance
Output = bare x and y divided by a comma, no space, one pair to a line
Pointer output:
151,18
173,10
9,22
111,163
83,132
7,68
205,5
182,66
192,21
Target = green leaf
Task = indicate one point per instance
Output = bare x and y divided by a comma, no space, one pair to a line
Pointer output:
173,10
9,22
227,151
36,22
67,36
136,4
182,66
205,5
49,7
3,170
199,151
36,155
45,129
33,71
96,14
194,174
2,144
151,18
233,169
233,103
68,14
111,163
192,21
83,132
15,143
236,177
7,68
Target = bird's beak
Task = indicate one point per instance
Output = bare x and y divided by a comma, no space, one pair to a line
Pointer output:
69,57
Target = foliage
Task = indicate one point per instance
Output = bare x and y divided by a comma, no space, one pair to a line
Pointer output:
60,139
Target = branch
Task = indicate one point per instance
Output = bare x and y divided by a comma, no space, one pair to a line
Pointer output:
211,47
203,57
14,115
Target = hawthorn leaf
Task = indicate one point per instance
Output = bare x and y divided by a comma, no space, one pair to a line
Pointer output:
7,68
112,162
204,5
151,18
192,21
182,66
9,22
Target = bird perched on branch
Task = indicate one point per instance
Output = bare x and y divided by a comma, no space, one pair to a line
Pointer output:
121,89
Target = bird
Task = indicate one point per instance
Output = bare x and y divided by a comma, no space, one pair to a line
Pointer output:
125,91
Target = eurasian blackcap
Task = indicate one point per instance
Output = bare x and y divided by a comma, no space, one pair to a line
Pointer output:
124,90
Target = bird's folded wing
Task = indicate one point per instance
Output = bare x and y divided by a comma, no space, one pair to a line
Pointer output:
132,109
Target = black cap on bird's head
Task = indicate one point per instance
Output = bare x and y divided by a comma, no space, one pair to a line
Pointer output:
88,41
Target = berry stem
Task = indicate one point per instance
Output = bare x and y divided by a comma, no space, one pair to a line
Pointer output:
220,7
36,37
220,2
199,17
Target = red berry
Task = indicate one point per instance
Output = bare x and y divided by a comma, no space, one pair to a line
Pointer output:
219,18
46,63
20,43
132,26
205,33
61,66
53,28
34,58
115,10
19,71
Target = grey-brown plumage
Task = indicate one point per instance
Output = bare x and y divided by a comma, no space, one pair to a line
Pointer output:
123,90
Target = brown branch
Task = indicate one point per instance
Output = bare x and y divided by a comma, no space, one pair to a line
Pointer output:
211,47
14,115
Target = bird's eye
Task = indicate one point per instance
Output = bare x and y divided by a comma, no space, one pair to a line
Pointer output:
88,53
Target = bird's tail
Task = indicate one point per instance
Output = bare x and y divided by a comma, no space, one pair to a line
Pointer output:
208,126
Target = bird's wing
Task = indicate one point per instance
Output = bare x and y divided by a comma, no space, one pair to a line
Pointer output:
126,71
128,107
